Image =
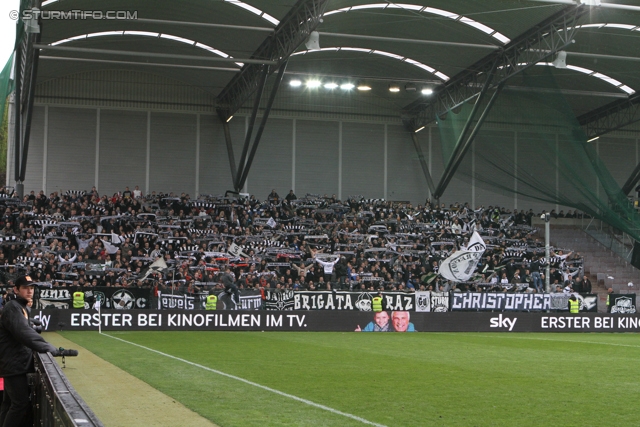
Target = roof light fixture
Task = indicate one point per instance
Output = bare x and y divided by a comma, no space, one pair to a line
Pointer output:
312,84
313,42
561,60
427,91
295,83
347,86
394,88
330,85
363,86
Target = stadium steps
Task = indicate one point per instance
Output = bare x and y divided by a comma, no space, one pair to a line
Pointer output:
605,268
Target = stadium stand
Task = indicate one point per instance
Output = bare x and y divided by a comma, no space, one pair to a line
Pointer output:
313,243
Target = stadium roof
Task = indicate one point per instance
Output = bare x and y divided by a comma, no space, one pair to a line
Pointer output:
219,46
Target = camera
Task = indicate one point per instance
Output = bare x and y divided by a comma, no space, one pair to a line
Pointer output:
36,325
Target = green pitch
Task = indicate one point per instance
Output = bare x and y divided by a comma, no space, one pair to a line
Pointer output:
358,379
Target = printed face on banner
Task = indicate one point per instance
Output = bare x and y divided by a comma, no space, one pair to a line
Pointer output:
400,321
363,302
382,319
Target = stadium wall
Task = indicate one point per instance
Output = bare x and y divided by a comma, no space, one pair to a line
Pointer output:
77,147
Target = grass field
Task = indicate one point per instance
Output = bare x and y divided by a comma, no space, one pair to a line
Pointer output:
351,379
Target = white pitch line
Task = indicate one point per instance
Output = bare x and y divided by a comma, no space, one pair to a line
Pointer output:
563,341
272,390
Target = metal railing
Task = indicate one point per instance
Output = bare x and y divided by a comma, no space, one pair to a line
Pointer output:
616,241
55,402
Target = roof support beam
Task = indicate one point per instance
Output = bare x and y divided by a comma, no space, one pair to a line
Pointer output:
535,45
26,72
610,117
263,122
405,41
568,92
150,54
143,64
17,139
293,30
423,163
229,142
252,121
463,143
632,181
200,24
30,97
455,161
602,5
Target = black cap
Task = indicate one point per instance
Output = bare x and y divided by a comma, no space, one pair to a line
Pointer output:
24,281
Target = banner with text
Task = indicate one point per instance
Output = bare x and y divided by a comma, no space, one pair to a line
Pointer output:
432,301
249,300
338,321
336,300
499,301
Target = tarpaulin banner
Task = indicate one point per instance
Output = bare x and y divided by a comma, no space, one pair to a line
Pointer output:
336,300
499,301
560,301
110,297
427,301
249,300
621,303
360,301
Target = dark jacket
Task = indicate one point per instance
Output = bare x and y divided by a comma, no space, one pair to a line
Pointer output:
227,280
18,340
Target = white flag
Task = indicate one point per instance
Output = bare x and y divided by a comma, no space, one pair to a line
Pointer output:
461,265
272,223
158,265
476,244
115,239
236,250
111,249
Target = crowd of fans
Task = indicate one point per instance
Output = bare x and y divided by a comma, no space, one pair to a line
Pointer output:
309,243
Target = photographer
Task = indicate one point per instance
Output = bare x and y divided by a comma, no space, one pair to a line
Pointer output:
18,341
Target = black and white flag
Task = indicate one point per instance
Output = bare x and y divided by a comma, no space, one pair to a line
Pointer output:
461,265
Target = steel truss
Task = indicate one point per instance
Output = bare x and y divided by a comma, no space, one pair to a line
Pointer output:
610,117
538,44
293,30
25,74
